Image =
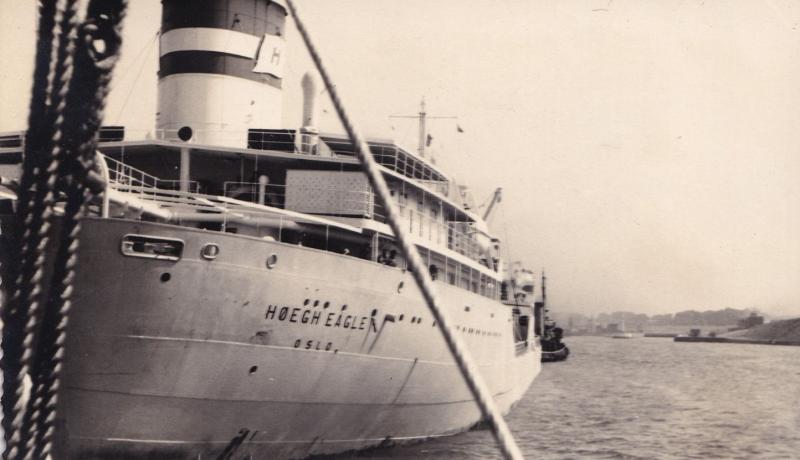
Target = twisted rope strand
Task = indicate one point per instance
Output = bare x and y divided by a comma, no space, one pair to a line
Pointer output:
24,278
62,67
62,70
85,108
66,113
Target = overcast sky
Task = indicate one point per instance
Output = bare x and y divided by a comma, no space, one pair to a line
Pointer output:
649,151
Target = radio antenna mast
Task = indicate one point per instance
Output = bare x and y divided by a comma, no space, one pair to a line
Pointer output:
423,129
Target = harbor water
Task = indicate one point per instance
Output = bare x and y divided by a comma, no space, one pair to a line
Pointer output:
647,398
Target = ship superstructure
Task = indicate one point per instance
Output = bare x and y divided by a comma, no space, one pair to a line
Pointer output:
239,289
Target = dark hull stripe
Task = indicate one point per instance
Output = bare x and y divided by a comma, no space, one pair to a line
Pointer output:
255,17
214,63
131,394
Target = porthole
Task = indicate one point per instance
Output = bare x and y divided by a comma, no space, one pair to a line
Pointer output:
210,251
165,277
272,260
185,133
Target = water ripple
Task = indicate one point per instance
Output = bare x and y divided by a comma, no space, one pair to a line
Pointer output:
648,399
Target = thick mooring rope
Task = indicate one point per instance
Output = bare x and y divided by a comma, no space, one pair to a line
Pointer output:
59,161
467,367
85,108
64,43
35,206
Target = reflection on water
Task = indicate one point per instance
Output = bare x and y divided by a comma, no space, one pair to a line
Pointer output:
648,398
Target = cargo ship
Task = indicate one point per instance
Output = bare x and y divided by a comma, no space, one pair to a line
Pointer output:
239,290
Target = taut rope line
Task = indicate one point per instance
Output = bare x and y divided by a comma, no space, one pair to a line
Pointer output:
467,367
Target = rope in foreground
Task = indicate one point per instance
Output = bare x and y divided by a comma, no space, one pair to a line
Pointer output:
469,370
74,61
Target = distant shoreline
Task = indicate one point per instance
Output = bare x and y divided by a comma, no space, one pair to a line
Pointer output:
784,332
737,340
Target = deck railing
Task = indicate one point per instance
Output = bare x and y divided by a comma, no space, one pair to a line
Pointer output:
336,202
123,177
234,209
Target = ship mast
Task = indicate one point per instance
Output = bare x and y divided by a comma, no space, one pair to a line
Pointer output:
544,289
423,128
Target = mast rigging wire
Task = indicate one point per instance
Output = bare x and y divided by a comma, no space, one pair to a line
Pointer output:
145,51
468,368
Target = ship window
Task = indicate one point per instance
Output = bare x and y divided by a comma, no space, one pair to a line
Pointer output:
151,247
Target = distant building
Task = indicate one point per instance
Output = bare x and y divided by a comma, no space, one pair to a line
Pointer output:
751,321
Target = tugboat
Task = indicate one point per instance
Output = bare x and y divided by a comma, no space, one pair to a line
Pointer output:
552,348
239,292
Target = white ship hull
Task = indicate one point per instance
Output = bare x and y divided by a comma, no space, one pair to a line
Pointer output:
321,353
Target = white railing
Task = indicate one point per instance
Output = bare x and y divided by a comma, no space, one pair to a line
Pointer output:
190,186
436,186
272,195
129,179
452,235
235,210
123,177
389,156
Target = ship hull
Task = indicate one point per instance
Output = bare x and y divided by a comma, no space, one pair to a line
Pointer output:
317,353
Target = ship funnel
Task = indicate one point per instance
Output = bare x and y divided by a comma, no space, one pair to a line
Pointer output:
309,132
220,70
